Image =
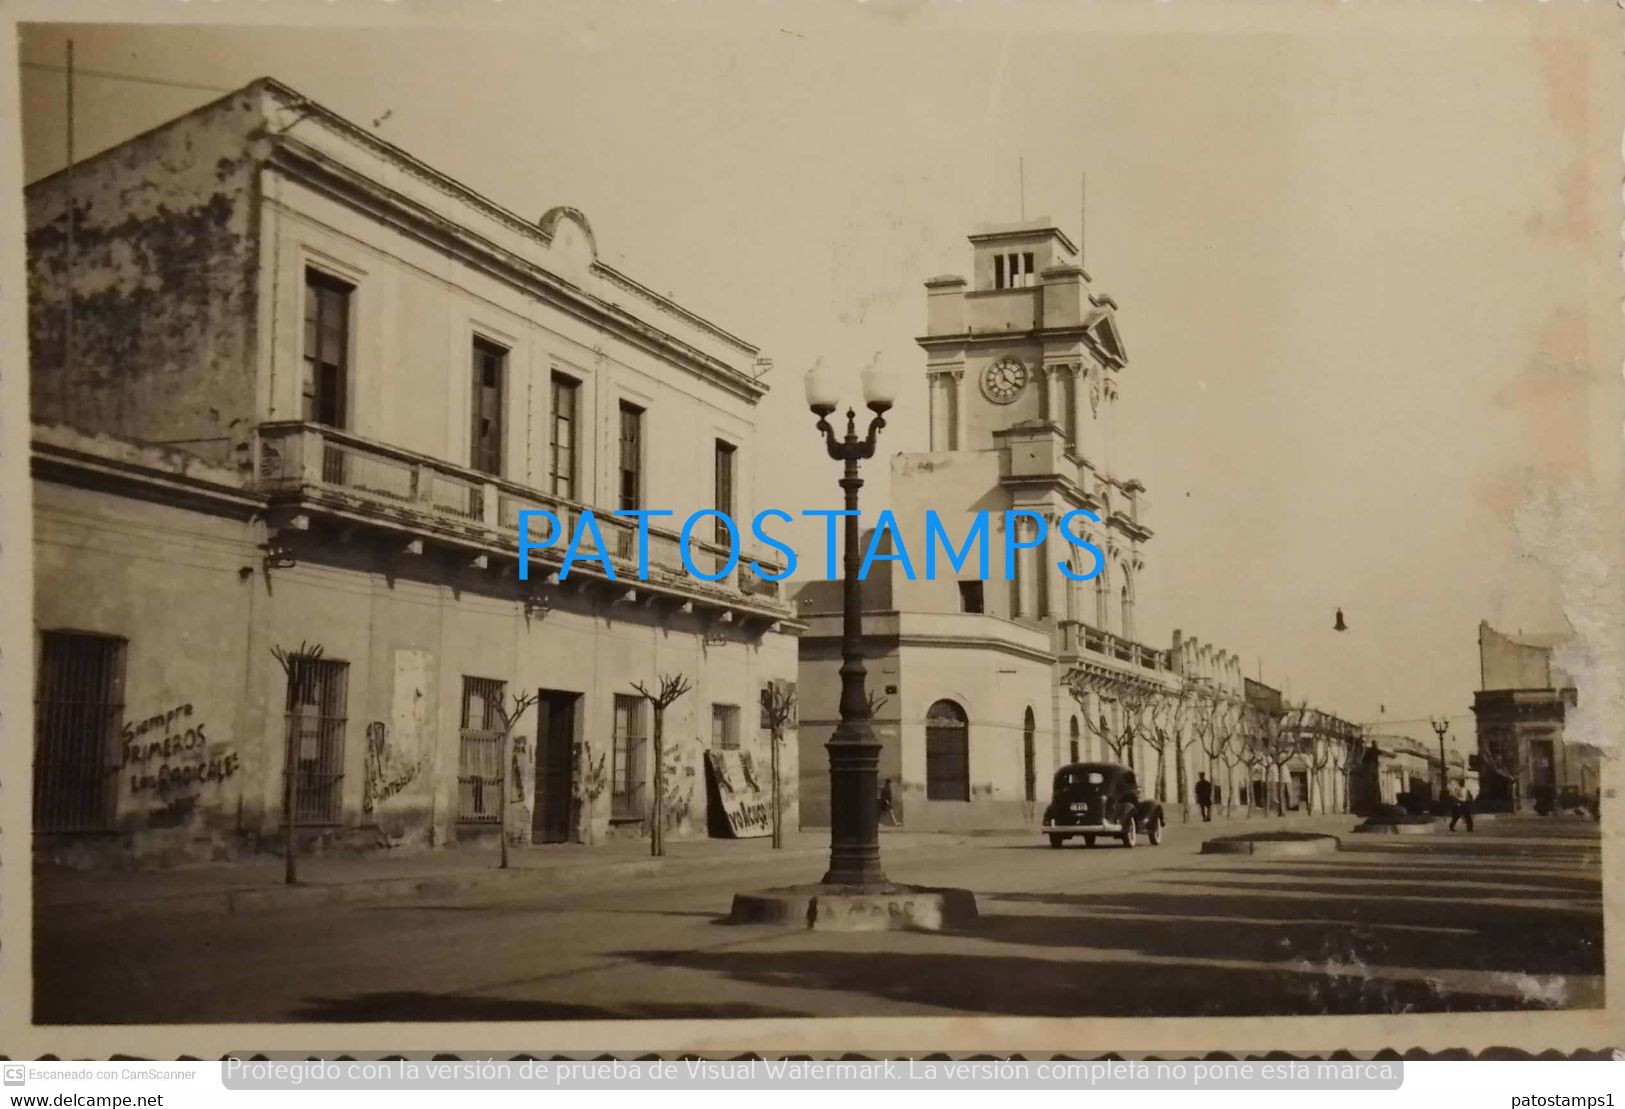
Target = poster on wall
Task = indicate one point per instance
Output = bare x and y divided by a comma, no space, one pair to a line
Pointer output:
741,800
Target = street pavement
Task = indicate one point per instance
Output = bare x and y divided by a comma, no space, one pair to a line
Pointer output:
1508,917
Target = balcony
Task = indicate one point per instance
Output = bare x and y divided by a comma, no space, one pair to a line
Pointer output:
310,465
1080,641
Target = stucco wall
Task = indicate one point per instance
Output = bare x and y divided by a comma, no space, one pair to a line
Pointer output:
416,313
162,272
187,590
1510,664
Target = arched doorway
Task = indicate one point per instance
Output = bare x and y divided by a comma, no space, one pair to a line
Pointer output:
947,753
1029,755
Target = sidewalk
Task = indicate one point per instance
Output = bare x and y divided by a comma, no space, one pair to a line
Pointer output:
257,883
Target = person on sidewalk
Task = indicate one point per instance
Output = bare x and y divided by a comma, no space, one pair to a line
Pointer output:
1204,796
1463,810
888,804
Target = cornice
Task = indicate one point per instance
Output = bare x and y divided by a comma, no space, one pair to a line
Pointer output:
449,185
311,167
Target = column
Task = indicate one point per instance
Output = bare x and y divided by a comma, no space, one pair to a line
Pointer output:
1055,395
954,390
1057,605
1080,409
934,408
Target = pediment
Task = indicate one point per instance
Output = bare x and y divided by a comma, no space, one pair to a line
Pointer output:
1102,329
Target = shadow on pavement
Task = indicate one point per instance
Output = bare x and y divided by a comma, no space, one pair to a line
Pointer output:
1429,877
1020,986
420,1006
1329,931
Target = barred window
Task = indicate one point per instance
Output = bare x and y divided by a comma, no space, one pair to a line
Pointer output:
947,753
479,760
78,711
627,772
315,719
725,727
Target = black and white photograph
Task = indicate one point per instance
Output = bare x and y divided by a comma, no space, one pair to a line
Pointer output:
746,523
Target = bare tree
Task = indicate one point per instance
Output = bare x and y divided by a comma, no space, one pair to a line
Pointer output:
778,708
1165,720
1346,755
1230,740
672,686
1134,702
1278,736
1207,728
299,667
510,719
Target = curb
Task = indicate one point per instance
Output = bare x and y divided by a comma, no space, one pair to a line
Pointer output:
1279,848
244,899
857,909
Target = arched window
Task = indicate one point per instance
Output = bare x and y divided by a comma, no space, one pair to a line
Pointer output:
947,753
1076,752
1127,596
1029,755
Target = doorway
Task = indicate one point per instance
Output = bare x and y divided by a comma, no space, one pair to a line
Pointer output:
555,767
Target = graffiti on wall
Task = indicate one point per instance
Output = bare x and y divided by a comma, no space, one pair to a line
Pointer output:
387,771
177,760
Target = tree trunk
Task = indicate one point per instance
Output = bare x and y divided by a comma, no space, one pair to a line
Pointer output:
1179,784
502,801
657,809
290,873
775,737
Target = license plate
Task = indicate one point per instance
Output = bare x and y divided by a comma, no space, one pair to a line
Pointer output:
1080,806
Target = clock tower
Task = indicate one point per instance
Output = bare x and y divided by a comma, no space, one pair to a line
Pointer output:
1023,363
1026,339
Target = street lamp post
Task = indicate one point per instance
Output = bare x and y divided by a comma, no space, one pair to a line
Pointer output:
854,753
1441,728
855,895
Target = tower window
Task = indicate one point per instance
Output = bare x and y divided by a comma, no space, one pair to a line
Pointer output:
1013,270
971,597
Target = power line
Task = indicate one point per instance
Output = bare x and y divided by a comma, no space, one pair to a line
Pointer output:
107,75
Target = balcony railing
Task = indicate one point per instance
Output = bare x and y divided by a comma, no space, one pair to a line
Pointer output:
294,456
1078,637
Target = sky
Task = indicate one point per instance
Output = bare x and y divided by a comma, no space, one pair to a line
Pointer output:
1356,253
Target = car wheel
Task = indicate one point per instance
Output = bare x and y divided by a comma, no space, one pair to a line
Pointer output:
1128,831
1088,841
1153,831
1057,841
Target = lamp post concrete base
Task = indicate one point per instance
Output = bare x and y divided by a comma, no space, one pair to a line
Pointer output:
883,907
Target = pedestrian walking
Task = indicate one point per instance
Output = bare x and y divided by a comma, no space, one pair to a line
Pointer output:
1463,811
1204,796
888,804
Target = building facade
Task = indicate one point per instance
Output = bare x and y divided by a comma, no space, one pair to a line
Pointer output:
293,389
1524,760
987,682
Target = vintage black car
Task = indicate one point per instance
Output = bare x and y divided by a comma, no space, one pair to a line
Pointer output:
1100,799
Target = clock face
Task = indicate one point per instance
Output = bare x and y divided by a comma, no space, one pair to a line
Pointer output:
1003,381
